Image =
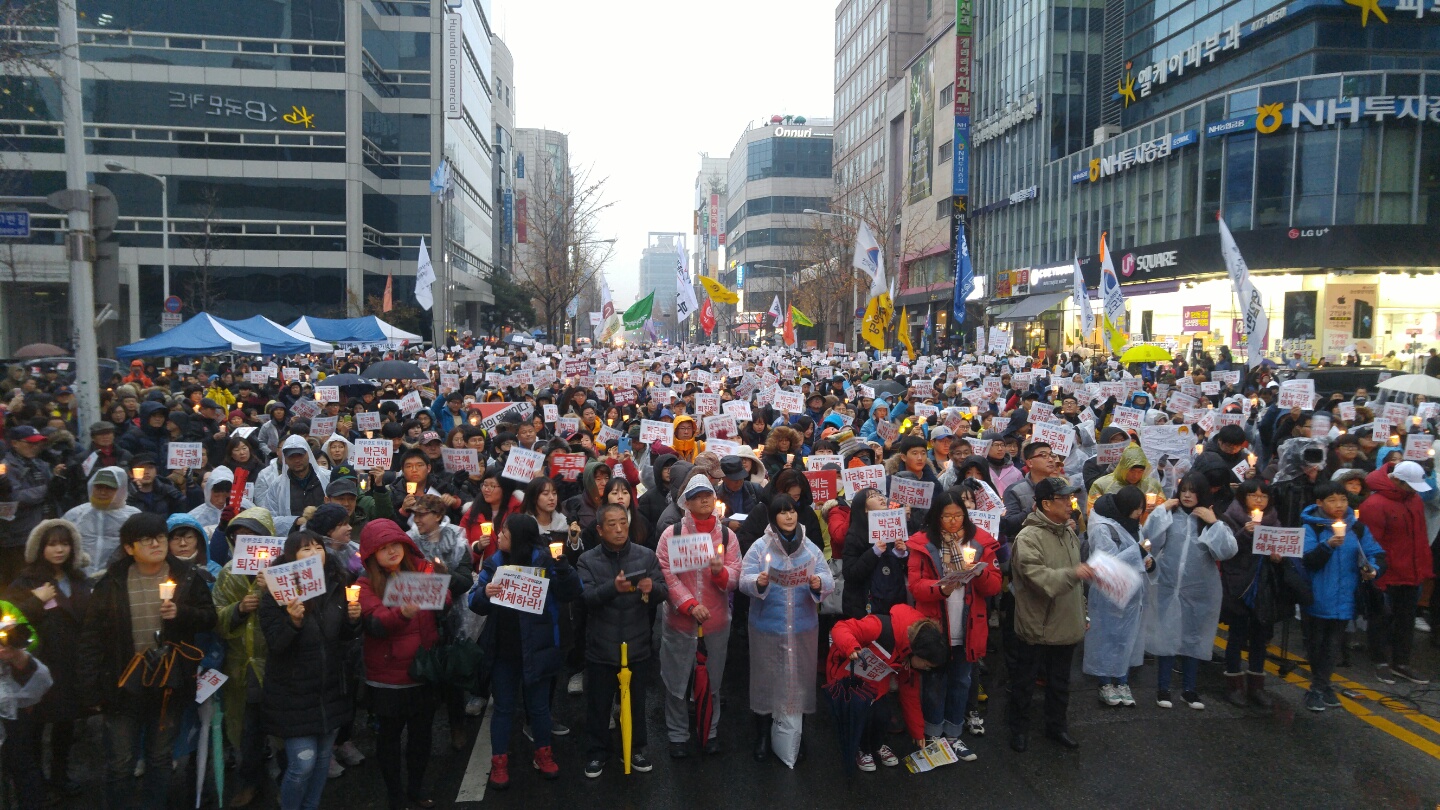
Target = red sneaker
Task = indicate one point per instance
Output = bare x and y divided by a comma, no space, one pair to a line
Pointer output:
545,763
500,771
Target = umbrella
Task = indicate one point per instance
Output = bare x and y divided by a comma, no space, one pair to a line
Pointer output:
626,732
350,383
887,388
850,699
1145,354
700,689
34,350
1422,384
395,370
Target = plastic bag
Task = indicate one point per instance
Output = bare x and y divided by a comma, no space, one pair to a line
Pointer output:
832,604
785,737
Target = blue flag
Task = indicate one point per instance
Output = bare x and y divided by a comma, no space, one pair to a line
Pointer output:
964,274
441,182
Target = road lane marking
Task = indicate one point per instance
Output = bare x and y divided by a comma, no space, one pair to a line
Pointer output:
477,772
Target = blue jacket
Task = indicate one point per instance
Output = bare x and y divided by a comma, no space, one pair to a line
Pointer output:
1335,573
444,420
868,430
540,652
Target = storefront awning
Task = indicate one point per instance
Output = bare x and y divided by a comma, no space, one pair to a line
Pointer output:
1030,307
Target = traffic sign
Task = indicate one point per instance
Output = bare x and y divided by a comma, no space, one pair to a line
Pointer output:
172,304
169,320
15,224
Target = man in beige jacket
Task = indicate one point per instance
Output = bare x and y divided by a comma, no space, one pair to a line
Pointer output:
1046,573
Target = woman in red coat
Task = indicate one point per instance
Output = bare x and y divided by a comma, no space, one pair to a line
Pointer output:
947,588
906,642
393,637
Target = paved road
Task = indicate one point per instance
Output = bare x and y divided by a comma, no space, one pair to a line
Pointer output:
1377,752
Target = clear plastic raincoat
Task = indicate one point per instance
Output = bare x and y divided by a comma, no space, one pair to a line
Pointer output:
1115,643
784,623
99,524
1182,616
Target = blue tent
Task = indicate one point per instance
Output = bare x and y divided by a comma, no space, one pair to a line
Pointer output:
202,334
270,333
368,330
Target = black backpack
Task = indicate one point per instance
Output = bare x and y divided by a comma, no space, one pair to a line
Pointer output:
888,586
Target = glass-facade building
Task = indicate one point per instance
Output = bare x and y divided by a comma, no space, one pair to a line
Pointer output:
296,140
1313,127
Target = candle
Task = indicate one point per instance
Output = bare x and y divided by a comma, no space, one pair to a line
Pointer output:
137,473
1255,515
767,560
262,554
556,549
167,591
968,552
1151,498
2,468
352,593
364,483
720,508
410,487
1074,504
1199,448
720,550
1145,544
1394,439
486,529
1338,527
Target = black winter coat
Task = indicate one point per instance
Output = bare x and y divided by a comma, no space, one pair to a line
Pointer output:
615,617
105,644
306,692
58,630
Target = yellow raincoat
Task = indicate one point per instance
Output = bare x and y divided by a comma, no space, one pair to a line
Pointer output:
1131,458
245,649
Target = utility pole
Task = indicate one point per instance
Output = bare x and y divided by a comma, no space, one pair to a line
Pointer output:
79,241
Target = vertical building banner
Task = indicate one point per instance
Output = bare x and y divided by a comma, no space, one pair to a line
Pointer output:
454,72
921,99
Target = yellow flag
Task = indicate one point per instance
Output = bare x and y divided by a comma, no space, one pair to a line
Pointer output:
877,315
903,333
717,291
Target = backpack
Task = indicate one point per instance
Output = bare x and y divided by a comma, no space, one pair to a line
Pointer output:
888,586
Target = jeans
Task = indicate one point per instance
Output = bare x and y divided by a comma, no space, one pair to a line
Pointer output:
124,732
1392,628
1189,671
1032,660
1123,680
307,769
601,687
507,689
1250,636
945,694
1322,637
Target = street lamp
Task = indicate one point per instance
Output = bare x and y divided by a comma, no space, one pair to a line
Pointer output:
117,166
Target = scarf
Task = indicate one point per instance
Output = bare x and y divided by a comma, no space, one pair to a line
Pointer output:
790,544
950,557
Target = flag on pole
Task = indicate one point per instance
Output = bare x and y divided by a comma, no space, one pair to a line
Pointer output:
639,312
1113,298
789,333
868,260
1252,306
964,275
442,183
1082,299
801,319
877,316
573,307
707,317
685,303
424,278
775,312
609,321
903,333
389,300
718,291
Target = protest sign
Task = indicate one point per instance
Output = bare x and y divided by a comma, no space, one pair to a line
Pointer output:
523,465
690,552
1126,418
323,427
1278,539
871,476
460,459
987,520
184,455
824,484
569,466
1419,446
424,591
1110,453
720,427
911,493
521,591
1059,436
301,579
707,404
789,401
887,526
821,461
552,413
373,454
1297,394
327,393
567,426
738,408
367,420
655,431
254,553
1119,581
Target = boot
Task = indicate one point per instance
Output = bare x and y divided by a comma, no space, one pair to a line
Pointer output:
1235,688
762,737
1258,695
500,771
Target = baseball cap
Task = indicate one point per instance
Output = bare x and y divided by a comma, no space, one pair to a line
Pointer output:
733,468
63,390
429,436
1052,488
698,485
941,432
1412,474
343,485
26,433
294,450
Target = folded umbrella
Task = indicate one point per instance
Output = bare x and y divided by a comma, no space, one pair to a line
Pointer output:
700,689
626,732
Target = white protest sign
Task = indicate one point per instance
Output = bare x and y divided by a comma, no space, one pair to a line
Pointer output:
870,666
1126,418
327,393
1396,412
789,401
986,499
184,456
1297,394
208,683
460,459
871,476
367,420
987,520
887,526
521,591
552,413
911,493
1059,436
301,579
323,427
1419,446
1110,453
567,426
305,408
820,461
738,408
690,552
373,454
254,553
1347,411
425,591
720,427
1241,469
1119,582
410,403
1280,540
707,404
523,465
655,431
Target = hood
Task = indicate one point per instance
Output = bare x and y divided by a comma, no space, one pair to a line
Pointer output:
834,420
587,478
182,519
122,492
257,519
1382,485
880,402
1135,400
663,462
217,475
682,418
679,476
147,409
382,532
32,545
334,438
1311,517
1154,417
1291,458
1132,457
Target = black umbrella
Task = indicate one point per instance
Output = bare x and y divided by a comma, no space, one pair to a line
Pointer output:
395,370
351,384
887,387
850,699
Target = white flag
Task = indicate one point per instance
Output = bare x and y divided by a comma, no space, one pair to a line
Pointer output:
1257,321
775,312
1113,299
424,278
685,304
609,321
869,260
1082,298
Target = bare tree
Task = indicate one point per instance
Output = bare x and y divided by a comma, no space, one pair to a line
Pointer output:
562,255
203,290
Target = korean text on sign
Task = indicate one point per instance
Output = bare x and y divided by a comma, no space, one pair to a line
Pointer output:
523,465
521,591
424,591
373,454
690,552
254,553
183,456
871,476
1280,540
302,579
887,526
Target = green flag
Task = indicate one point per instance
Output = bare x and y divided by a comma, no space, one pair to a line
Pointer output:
638,313
800,318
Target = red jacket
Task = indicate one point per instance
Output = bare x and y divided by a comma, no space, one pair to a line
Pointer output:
849,635
838,522
391,640
1397,520
924,582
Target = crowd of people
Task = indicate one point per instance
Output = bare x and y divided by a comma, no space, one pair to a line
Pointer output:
522,519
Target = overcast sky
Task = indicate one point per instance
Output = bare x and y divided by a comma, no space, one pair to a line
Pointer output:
643,86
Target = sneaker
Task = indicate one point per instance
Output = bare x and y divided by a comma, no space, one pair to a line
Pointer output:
975,724
1126,698
962,751
1314,701
1404,671
640,763
1332,700
1383,673
1422,625
544,762
1162,699
475,706
500,771
559,729
336,769
349,755
1192,699
865,762
594,768
576,684
886,756
1108,695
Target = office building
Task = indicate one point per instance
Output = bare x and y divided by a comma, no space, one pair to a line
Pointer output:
707,252
503,114
659,273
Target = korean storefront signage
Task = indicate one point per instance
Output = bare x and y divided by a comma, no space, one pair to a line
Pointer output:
1195,319
1138,155
960,179
454,72
1328,112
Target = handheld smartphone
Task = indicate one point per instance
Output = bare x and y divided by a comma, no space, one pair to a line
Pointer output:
623,445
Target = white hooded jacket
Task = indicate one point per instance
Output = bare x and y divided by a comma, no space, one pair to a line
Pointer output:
100,526
272,490
209,516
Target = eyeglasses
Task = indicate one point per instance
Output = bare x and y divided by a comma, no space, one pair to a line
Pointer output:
152,541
